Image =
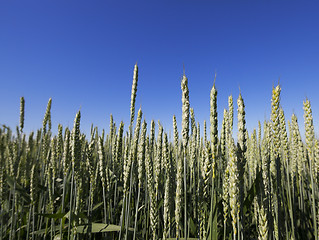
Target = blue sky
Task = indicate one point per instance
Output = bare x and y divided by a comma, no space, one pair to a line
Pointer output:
82,54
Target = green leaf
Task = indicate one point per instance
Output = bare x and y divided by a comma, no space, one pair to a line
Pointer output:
160,205
18,188
99,227
97,206
41,231
192,226
253,191
55,215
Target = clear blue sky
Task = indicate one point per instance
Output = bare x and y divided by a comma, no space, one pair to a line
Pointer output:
82,54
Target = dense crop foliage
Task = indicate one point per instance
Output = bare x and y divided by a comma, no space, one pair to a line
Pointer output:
136,184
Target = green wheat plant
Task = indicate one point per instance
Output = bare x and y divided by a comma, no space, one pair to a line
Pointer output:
140,181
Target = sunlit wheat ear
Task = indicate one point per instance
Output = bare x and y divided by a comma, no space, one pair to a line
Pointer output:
263,224
119,150
49,185
66,153
265,158
101,155
29,161
225,195
152,194
233,187
31,142
91,168
231,112
133,94
113,150
275,104
76,144
21,113
298,147
206,173
213,125
205,132
242,140
152,137
127,167
111,127
124,159
293,147
176,137
141,154
252,158
185,111
193,147
198,136
158,159
284,136
133,150
259,133
33,183
53,158
222,141
178,197
309,130
59,147
47,117
192,117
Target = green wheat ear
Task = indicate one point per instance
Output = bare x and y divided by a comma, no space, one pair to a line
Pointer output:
47,117
213,124
185,111
21,113
133,94
275,106
141,154
76,143
231,113
233,187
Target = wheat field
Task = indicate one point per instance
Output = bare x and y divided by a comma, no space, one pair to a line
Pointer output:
131,182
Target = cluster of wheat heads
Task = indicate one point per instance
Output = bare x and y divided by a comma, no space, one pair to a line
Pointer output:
137,184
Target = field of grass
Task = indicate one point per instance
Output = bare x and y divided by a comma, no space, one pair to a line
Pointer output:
133,183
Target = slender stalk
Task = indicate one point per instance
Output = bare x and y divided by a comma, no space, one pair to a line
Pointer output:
29,221
71,199
12,231
136,211
185,199
128,204
62,208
